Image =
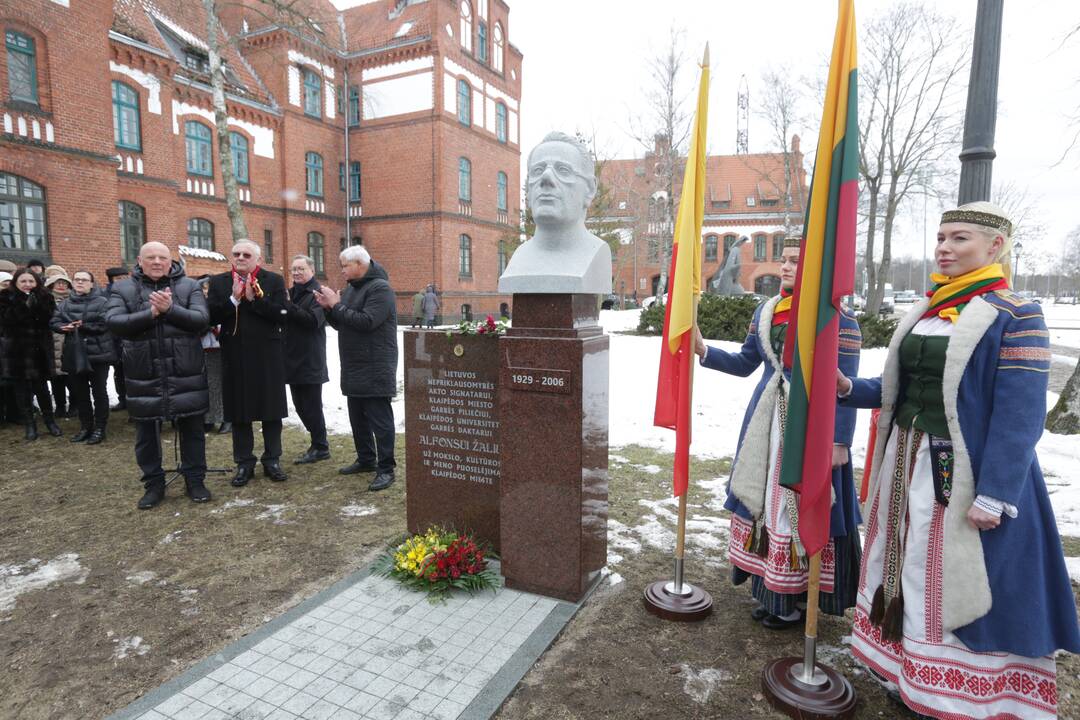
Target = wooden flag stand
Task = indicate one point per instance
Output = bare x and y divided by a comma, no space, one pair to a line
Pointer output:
799,687
678,600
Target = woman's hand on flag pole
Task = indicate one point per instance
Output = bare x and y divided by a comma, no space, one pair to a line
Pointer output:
843,385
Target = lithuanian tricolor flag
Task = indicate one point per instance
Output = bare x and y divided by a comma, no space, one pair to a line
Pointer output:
675,380
826,273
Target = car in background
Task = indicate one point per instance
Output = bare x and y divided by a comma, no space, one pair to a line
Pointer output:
651,300
888,301
1030,296
905,297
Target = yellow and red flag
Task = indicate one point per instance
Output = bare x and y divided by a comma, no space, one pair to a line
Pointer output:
826,274
675,380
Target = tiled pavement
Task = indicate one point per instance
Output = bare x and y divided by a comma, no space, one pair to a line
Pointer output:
367,648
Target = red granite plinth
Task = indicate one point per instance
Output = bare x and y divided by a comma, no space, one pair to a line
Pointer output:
553,419
452,464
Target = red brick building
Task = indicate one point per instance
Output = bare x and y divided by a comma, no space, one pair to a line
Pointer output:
745,197
393,124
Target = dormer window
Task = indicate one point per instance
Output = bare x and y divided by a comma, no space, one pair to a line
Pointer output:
194,60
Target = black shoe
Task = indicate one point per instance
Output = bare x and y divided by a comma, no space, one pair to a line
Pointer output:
226,427
155,493
774,623
60,411
31,431
273,471
197,491
759,613
356,467
98,436
53,428
382,481
80,436
312,456
119,406
242,477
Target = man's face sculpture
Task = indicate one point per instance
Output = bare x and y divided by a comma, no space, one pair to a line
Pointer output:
558,188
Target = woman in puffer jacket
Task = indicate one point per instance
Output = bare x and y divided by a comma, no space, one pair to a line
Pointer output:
26,353
81,318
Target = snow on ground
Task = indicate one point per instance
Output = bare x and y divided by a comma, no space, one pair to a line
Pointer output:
1064,324
17,579
358,510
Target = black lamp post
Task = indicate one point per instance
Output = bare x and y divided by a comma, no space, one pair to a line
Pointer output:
1018,251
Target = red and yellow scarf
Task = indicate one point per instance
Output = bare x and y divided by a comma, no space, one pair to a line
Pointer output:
251,278
949,295
782,308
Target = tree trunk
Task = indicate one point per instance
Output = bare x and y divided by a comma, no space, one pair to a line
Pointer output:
221,122
1064,418
873,300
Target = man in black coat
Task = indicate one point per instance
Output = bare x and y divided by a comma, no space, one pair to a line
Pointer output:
305,356
160,314
115,275
365,316
249,304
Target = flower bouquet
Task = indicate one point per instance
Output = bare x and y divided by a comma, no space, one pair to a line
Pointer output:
490,326
438,562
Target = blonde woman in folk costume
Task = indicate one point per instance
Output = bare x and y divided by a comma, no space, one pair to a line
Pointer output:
764,542
964,596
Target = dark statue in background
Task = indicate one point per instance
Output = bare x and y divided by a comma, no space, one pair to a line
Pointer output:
726,280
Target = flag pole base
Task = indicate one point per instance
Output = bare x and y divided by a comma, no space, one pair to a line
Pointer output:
689,605
825,694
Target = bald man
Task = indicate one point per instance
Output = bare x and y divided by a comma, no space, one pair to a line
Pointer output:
160,315
248,302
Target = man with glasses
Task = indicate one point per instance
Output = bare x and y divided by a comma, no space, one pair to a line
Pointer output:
305,356
563,256
248,302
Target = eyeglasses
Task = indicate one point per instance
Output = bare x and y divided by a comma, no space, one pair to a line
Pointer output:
242,254
563,171
80,280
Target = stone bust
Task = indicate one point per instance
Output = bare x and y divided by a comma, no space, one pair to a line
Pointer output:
563,256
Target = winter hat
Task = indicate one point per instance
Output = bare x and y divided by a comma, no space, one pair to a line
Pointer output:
115,272
8,266
56,270
4,276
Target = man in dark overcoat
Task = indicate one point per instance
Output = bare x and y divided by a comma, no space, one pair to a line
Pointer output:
305,356
160,314
365,316
248,302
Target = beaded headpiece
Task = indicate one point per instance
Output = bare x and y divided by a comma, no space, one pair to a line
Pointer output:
978,217
793,241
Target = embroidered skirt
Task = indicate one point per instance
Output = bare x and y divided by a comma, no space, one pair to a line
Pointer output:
778,583
936,674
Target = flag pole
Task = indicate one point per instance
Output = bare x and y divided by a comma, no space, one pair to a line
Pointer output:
807,671
677,587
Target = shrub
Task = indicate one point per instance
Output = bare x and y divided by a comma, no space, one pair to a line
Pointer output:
877,331
719,317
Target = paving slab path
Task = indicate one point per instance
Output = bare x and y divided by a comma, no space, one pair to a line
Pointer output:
368,648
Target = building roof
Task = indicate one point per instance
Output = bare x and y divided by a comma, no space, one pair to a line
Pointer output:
384,23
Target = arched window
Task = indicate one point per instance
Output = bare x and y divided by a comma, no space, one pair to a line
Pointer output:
238,148
132,229
500,191
466,25
759,247
777,246
711,245
314,167
497,49
464,191
481,42
125,112
316,248
200,234
312,94
500,122
22,67
729,242
22,214
200,160
465,256
464,102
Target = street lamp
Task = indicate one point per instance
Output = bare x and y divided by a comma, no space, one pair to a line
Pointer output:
1018,251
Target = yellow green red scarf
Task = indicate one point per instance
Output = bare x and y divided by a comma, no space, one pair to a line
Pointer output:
783,308
949,295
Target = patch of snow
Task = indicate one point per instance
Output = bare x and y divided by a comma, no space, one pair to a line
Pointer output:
701,684
613,558
273,512
358,510
1073,566
622,537
229,505
651,469
615,578
171,537
13,581
126,647
142,577
618,459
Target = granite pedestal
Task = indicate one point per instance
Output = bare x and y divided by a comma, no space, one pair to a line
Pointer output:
553,419
452,433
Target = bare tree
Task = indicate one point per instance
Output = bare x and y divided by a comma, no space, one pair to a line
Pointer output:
664,129
911,67
779,104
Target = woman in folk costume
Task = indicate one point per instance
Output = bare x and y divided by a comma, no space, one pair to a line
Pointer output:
764,543
964,596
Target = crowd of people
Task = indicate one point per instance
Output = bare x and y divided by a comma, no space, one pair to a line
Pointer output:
212,354
961,595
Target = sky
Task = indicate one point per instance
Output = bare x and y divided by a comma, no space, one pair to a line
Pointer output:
585,70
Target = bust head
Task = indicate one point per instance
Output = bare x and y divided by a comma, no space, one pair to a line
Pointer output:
561,181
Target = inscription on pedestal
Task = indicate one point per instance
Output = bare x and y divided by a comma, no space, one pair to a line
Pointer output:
536,380
452,433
